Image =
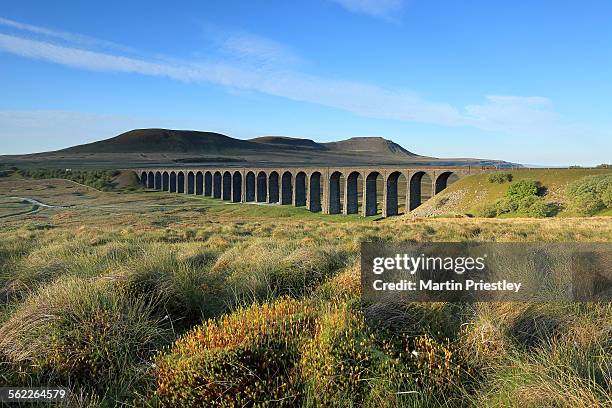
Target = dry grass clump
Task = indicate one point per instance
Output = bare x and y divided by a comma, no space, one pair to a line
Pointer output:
246,358
343,286
84,330
12,249
266,269
439,319
56,256
544,379
540,354
186,287
484,340
497,329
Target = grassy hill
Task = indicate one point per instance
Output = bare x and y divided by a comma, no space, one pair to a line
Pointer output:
370,144
470,194
164,140
163,147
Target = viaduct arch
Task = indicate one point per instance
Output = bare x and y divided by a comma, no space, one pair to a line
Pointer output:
367,190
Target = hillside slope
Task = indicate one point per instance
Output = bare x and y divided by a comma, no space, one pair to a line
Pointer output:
291,142
188,141
163,141
369,144
469,194
163,147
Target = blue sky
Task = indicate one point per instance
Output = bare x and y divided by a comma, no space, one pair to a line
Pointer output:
523,81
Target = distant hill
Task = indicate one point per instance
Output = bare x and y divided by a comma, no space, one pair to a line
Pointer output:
289,142
163,141
371,145
188,141
160,147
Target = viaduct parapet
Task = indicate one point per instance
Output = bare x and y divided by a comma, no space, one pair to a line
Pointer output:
316,188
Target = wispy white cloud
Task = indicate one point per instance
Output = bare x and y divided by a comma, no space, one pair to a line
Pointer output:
514,115
375,8
245,46
62,35
508,114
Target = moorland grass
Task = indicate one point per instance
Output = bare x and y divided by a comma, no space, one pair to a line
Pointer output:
125,310
84,332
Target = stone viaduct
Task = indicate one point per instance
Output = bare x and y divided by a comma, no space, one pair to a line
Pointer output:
316,188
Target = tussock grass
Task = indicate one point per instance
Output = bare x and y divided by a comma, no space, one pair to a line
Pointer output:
550,377
265,269
185,285
98,298
85,330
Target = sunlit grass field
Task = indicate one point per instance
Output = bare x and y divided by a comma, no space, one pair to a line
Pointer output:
157,299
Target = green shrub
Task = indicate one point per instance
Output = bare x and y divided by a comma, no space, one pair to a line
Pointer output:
522,198
243,359
487,211
523,189
499,207
525,203
587,204
507,205
541,209
606,196
499,177
591,194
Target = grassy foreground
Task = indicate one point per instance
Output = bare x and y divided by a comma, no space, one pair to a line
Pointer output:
153,299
